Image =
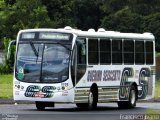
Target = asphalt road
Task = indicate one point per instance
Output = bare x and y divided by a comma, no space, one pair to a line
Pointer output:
108,111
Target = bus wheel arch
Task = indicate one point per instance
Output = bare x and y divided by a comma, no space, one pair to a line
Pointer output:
93,97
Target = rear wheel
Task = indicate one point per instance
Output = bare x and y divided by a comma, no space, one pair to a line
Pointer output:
132,97
131,103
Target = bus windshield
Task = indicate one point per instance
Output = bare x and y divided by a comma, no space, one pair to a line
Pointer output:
42,62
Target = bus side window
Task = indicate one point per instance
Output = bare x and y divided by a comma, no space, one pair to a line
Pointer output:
149,52
93,54
117,51
105,51
128,51
139,52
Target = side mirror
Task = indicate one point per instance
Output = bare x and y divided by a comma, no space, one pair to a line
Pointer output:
13,42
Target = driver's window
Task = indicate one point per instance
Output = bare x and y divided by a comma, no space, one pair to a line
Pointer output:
81,51
81,58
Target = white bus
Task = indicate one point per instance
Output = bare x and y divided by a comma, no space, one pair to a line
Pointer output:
83,67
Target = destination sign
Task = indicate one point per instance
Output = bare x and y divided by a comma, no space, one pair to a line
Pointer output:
45,35
55,36
28,35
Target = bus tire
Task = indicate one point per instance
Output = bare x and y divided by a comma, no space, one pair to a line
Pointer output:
131,103
40,106
132,97
93,98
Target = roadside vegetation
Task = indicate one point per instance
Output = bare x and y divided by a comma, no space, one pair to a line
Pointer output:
136,16
6,86
157,90
152,114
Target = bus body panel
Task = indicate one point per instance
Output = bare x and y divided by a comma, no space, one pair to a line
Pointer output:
60,92
109,81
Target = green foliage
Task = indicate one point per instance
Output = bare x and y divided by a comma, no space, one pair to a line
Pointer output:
157,90
112,6
144,7
24,14
6,86
31,14
9,2
124,21
60,12
87,14
133,16
153,114
124,16
152,25
7,67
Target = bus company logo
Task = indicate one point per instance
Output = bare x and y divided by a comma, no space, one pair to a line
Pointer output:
37,91
39,94
106,75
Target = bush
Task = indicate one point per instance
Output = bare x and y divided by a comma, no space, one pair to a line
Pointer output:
7,67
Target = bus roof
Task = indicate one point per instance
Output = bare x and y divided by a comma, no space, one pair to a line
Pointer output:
101,33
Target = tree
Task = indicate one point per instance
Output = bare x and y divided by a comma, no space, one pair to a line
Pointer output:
25,14
2,22
144,7
9,2
112,6
152,25
60,12
87,13
123,21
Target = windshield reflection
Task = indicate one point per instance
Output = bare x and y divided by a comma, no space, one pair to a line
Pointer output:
49,65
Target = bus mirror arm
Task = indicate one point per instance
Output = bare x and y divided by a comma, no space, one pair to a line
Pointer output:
13,42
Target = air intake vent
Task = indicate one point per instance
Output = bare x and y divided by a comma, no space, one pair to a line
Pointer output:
68,28
91,30
101,30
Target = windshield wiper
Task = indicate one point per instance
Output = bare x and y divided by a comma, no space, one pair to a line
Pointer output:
64,46
34,49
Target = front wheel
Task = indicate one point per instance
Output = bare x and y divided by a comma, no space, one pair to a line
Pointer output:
92,99
40,105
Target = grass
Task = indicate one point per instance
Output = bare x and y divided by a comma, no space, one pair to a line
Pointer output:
152,114
151,111
6,86
157,90
158,54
